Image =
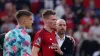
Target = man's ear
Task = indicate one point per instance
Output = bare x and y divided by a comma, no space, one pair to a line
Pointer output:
44,20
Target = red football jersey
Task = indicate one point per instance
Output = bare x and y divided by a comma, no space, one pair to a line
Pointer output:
44,40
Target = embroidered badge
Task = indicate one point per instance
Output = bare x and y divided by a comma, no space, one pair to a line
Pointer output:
38,41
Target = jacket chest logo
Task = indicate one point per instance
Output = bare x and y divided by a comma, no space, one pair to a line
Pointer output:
50,38
64,48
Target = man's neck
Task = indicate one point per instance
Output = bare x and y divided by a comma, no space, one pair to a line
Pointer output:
48,29
61,36
21,25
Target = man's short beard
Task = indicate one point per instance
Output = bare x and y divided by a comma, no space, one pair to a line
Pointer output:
61,33
29,26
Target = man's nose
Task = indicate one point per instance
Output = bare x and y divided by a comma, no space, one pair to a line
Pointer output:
63,27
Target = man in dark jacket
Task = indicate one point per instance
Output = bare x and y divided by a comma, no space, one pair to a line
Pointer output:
65,44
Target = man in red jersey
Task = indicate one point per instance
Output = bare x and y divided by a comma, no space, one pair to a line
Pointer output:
45,38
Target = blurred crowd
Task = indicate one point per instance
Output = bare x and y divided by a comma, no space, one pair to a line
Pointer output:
82,18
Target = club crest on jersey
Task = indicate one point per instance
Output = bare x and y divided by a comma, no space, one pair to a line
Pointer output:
38,41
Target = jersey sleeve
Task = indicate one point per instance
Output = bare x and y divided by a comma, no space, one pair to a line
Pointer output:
9,45
37,40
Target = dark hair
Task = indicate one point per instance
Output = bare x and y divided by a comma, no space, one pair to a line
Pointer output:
21,13
47,13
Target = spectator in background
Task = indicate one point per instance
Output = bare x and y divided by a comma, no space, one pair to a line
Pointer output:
43,4
8,18
49,4
70,32
1,5
91,5
38,21
1,10
69,2
86,3
60,9
97,4
37,4
88,47
9,12
80,35
87,21
6,27
20,3
57,2
94,31
77,8
91,8
98,12
25,7
68,17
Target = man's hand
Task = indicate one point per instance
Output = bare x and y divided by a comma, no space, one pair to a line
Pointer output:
71,38
57,49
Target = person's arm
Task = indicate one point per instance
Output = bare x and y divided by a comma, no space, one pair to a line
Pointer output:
36,44
9,45
71,38
35,51
25,48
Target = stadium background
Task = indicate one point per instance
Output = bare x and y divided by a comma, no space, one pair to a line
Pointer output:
80,16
